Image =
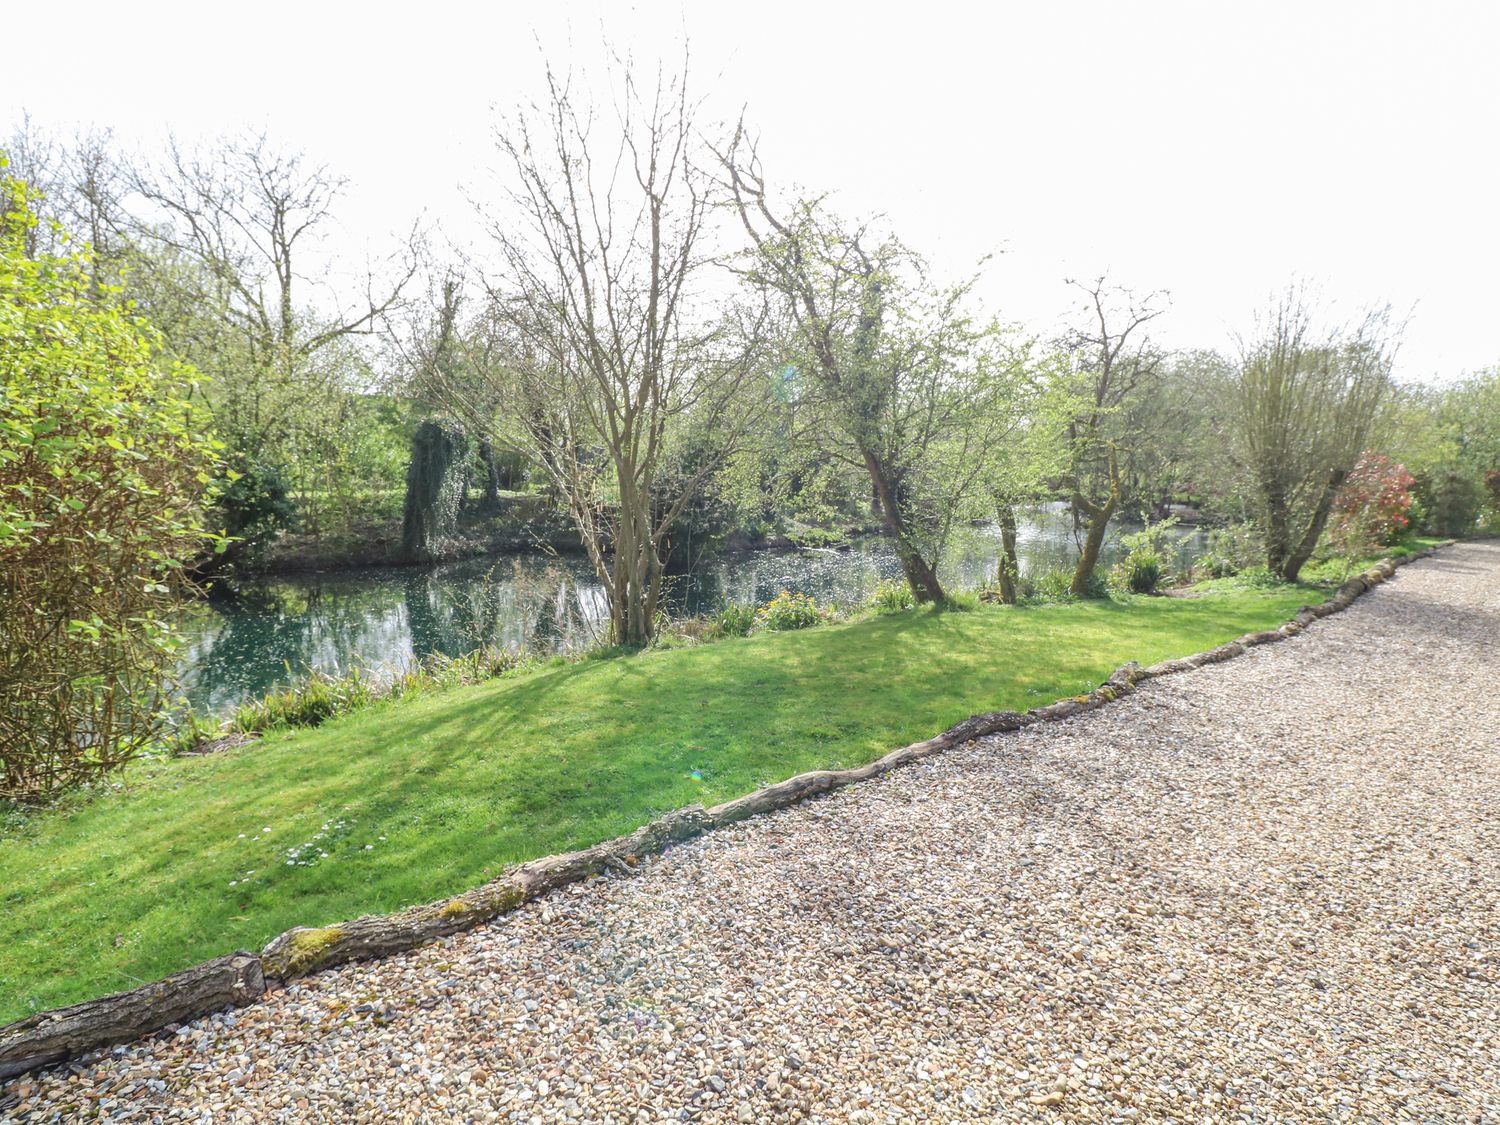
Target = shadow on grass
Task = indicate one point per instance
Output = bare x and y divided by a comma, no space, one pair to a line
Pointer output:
437,793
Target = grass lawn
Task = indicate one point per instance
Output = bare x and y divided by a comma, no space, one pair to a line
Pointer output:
407,802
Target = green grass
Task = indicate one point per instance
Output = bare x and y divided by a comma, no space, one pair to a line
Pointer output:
437,794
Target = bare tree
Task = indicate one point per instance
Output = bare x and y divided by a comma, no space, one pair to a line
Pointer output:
597,343
247,213
81,186
1111,356
238,286
1306,402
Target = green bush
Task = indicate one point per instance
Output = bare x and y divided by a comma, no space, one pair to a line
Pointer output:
1140,573
1229,550
892,597
105,471
734,619
789,611
1056,586
256,505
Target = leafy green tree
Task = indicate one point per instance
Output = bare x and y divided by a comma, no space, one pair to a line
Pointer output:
1178,424
1472,412
1023,471
906,386
1113,362
228,263
105,471
1426,428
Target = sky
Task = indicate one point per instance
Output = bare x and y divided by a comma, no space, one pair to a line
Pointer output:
1216,151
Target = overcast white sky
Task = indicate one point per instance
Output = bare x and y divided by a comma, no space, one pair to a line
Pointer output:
1211,149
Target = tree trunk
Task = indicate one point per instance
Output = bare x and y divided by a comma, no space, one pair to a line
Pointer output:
1278,535
637,567
1093,543
920,574
1299,555
50,1036
1099,517
491,500
1010,568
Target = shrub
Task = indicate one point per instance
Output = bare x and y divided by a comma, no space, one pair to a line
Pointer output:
1157,538
1141,572
735,620
789,611
1450,501
104,480
1056,586
256,505
1491,515
1372,506
892,597
1229,550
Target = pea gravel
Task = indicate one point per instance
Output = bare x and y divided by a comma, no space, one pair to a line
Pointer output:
1264,891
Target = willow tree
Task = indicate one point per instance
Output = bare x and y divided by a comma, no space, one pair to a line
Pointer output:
912,393
599,336
437,471
1306,400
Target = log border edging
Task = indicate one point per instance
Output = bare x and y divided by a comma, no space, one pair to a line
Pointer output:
242,978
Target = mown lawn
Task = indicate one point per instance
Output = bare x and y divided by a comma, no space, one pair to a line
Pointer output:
415,800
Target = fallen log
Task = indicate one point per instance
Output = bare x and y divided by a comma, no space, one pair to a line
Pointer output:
49,1037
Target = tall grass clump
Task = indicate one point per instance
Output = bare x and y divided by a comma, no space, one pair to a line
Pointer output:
892,597
1056,586
313,699
1141,572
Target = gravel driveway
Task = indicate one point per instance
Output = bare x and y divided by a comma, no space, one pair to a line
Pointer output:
1264,891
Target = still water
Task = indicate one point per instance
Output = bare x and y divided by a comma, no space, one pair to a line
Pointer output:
242,643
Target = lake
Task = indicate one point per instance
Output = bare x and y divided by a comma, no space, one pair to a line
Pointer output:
241,643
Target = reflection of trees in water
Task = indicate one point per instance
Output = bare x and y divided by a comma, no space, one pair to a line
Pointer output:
419,594
567,615
244,642
240,645
510,605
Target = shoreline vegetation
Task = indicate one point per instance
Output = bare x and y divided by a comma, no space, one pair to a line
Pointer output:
488,534
495,759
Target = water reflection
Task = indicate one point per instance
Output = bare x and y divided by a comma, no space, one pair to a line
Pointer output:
243,643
